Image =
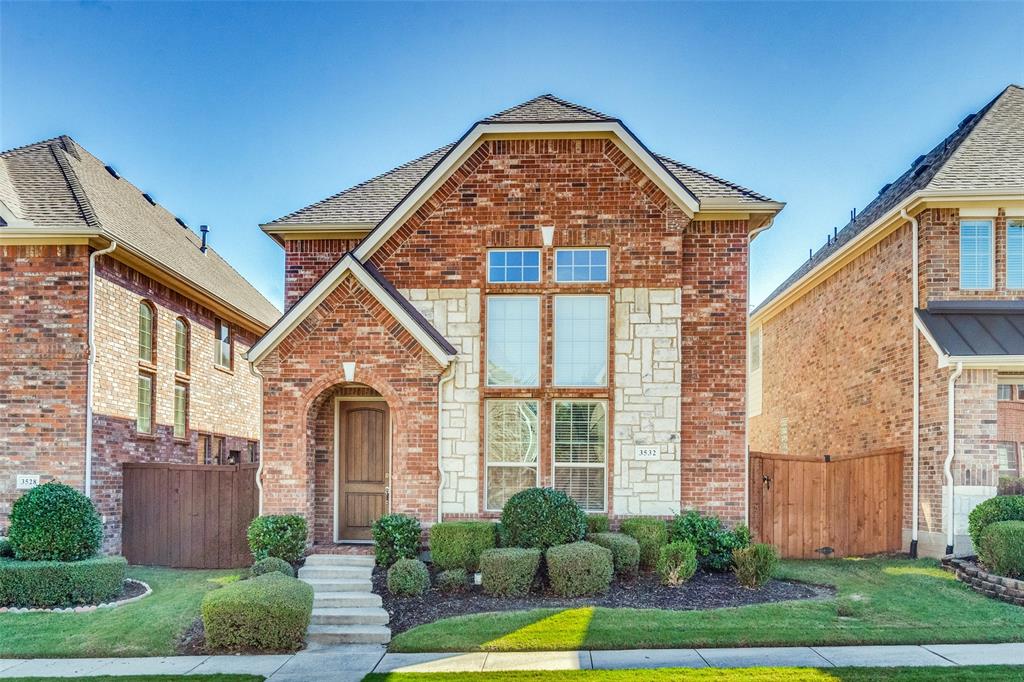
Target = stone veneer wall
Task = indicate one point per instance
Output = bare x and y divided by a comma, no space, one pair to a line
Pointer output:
648,382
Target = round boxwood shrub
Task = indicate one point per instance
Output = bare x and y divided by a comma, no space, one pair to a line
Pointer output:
52,584
458,544
510,571
625,552
1002,548
754,564
282,536
396,536
408,578
651,534
579,569
452,580
992,510
542,518
268,613
677,562
272,564
54,522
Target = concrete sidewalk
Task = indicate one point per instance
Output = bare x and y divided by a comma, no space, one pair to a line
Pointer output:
350,663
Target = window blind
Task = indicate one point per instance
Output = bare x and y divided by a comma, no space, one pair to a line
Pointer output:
976,254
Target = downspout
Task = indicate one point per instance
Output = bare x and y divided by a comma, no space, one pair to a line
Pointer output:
259,469
447,377
915,482
91,343
947,467
746,384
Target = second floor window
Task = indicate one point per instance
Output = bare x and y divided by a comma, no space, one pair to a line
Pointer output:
222,344
146,336
181,346
1005,392
144,404
581,341
1015,254
513,266
581,265
976,254
513,341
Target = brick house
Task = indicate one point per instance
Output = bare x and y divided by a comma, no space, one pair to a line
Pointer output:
543,302
905,330
88,260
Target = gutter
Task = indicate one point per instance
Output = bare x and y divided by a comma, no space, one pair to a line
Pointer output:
916,428
947,467
259,470
746,393
446,377
91,343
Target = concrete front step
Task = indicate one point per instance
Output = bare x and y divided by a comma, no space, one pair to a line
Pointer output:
340,560
338,585
339,572
346,600
328,616
349,634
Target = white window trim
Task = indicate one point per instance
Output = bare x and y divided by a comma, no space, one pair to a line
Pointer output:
540,264
992,254
607,266
487,354
554,465
1019,223
554,339
487,446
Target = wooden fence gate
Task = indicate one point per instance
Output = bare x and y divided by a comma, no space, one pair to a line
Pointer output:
819,506
188,515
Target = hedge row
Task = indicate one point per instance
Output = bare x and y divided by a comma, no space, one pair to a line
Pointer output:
51,584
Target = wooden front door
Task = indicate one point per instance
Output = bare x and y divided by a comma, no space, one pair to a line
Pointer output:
363,476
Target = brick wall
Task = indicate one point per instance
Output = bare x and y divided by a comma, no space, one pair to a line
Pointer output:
940,258
306,261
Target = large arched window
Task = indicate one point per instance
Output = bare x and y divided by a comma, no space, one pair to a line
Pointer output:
181,346
147,337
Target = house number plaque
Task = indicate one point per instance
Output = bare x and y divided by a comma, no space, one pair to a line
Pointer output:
648,453
26,481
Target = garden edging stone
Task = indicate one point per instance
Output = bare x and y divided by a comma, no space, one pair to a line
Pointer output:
1000,587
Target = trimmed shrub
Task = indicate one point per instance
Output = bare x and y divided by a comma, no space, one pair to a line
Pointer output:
677,562
754,564
501,535
625,552
542,518
396,536
408,578
268,613
712,540
509,572
272,564
650,533
597,523
579,569
992,510
51,584
282,536
54,522
458,544
1009,485
5,549
1002,548
453,580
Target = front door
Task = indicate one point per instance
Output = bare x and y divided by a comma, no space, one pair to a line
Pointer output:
362,467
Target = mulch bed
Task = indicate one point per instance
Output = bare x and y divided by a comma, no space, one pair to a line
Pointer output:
703,591
131,589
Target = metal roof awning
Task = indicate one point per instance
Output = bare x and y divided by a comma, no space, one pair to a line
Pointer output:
976,333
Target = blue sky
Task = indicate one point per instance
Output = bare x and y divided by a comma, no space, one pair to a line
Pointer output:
234,114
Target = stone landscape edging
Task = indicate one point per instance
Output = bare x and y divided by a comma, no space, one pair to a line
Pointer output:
86,608
978,579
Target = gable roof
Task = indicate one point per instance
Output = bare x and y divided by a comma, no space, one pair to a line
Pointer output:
985,152
56,185
547,108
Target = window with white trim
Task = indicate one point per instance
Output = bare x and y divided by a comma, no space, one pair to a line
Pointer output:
1015,254
580,453
511,448
181,346
976,254
1008,460
504,265
581,341
180,409
755,350
1005,392
222,344
581,265
513,341
144,404
146,335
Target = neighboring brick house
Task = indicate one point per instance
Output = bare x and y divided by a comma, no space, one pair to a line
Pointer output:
832,370
544,302
171,322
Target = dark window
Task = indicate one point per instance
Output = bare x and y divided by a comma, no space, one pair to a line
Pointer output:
203,450
1009,464
218,450
254,451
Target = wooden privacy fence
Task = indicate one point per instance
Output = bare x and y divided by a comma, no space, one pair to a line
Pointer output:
188,515
819,506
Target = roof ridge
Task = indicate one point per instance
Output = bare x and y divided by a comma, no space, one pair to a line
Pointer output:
33,145
77,191
574,105
557,100
712,176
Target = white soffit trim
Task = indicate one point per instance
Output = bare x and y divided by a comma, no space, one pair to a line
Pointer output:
979,211
680,195
327,284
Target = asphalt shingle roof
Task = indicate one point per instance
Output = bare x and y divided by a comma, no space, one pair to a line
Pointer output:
58,184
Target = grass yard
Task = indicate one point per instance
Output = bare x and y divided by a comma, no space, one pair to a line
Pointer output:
878,601
150,627
981,673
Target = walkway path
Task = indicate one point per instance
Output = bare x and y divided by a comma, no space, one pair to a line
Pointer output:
351,663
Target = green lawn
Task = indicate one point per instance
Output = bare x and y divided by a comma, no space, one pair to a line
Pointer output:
981,673
149,627
878,602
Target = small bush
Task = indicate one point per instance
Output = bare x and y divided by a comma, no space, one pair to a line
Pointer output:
1002,548
272,564
54,522
5,549
713,541
992,510
396,536
408,578
458,544
282,536
625,552
1010,486
452,580
651,534
509,572
51,584
597,523
501,535
755,564
579,569
677,562
542,518
268,613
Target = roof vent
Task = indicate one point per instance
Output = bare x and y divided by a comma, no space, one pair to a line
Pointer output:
922,169
181,222
967,119
917,161
204,230
884,187
148,198
110,169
